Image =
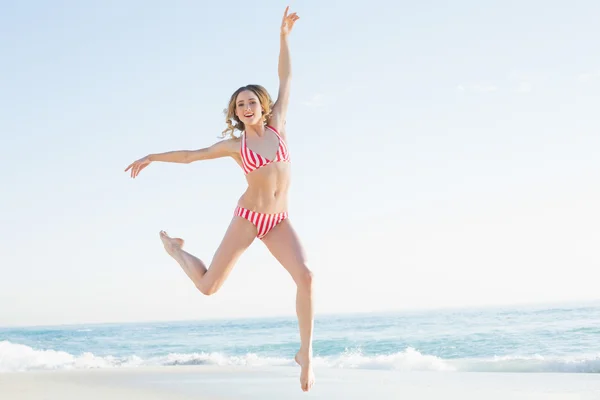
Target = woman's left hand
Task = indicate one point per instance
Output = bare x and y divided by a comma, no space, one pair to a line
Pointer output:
288,22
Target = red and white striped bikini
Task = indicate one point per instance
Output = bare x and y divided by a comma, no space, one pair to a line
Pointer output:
252,161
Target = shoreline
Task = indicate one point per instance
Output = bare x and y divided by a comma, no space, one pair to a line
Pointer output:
275,383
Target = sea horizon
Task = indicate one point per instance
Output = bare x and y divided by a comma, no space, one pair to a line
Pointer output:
318,315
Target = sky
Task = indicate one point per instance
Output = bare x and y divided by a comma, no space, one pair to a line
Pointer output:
442,155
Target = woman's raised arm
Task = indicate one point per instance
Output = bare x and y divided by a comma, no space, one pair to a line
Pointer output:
284,71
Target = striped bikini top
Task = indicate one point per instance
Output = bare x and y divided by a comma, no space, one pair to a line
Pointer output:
252,161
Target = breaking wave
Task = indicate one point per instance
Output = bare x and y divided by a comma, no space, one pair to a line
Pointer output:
19,358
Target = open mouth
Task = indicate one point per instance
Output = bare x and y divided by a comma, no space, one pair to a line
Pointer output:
249,115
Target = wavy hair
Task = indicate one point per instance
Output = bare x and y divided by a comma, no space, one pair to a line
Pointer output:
232,120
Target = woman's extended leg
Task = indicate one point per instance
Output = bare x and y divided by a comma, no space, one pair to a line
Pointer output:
284,244
239,236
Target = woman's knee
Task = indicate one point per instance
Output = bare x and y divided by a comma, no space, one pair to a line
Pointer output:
207,290
304,279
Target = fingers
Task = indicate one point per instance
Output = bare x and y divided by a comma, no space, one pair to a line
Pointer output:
137,166
135,169
294,19
142,167
289,20
293,16
138,169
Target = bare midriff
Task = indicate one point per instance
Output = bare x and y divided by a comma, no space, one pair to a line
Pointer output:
267,190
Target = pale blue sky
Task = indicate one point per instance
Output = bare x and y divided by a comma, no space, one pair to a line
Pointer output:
443,154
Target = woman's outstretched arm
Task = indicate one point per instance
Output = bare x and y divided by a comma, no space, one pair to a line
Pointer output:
284,70
220,149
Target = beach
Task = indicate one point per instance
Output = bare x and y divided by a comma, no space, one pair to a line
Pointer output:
433,167
217,383
495,354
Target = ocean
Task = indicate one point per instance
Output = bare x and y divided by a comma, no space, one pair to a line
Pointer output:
517,339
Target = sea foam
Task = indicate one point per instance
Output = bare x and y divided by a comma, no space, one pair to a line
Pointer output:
21,358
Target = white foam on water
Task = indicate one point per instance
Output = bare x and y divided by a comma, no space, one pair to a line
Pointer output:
407,360
17,358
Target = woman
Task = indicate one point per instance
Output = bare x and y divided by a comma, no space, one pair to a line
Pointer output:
262,153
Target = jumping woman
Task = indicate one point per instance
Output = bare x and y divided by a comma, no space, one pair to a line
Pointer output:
262,152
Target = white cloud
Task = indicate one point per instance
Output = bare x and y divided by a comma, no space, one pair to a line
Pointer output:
328,97
318,100
515,81
519,76
524,87
484,88
526,81
477,88
589,76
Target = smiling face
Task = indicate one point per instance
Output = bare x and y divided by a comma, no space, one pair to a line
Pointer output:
248,108
249,105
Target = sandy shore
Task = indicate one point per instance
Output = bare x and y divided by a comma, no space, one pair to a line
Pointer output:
281,383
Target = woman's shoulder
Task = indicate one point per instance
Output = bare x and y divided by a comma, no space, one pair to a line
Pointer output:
226,141
229,145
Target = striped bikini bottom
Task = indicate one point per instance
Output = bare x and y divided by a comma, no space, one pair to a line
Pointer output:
263,222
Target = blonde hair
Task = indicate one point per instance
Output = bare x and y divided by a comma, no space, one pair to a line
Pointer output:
232,120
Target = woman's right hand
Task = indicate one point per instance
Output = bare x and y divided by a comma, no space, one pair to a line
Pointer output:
288,22
137,166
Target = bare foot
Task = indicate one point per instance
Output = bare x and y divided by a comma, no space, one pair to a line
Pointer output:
172,245
307,376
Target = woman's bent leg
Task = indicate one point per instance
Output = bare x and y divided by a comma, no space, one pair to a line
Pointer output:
239,236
